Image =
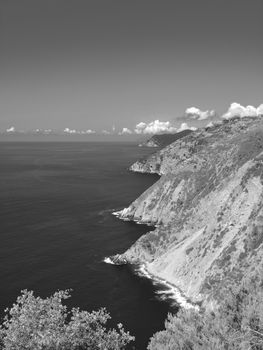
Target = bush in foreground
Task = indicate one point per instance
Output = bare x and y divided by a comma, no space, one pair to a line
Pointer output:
34,323
236,325
46,324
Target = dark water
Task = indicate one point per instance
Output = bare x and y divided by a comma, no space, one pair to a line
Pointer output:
56,227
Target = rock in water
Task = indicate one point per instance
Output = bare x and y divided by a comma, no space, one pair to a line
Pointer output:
207,207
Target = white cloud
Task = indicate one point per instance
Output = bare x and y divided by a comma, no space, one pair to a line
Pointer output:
140,127
125,131
251,111
12,129
196,113
237,110
184,126
155,127
260,109
69,131
82,132
105,132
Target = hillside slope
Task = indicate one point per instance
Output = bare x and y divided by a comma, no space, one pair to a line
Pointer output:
164,140
207,207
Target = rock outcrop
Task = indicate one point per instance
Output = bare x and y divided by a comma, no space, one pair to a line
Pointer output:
207,207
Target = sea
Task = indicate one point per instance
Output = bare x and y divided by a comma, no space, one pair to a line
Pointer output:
57,227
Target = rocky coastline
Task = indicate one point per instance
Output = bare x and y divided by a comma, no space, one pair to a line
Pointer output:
171,291
206,208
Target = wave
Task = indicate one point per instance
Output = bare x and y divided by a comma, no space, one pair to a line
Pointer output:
116,213
121,215
165,290
115,260
108,260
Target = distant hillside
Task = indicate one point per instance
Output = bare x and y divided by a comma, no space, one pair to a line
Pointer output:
164,139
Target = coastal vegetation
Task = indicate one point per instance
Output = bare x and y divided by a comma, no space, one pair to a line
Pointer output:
34,323
236,324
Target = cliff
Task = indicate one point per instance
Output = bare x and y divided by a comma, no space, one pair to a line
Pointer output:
164,140
207,207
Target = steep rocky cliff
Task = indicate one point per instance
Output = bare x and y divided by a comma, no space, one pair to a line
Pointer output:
207,207
164,140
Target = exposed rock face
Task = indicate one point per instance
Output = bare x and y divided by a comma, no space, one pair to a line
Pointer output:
164,140
207,207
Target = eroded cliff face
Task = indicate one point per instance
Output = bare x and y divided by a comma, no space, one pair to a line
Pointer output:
164,140
207,207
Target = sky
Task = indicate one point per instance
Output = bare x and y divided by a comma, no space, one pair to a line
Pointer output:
95,64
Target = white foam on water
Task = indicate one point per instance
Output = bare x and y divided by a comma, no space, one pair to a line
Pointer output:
163,291
170,292
108,260
117,213
121,214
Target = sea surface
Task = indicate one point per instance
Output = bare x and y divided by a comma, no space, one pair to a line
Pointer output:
56,227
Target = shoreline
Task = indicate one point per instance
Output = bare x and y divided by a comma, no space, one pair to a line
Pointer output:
168,289
172,290
118,214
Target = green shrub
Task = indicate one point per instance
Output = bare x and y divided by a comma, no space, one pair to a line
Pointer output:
34,323
236,325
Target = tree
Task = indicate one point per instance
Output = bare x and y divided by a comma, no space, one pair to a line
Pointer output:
34,323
